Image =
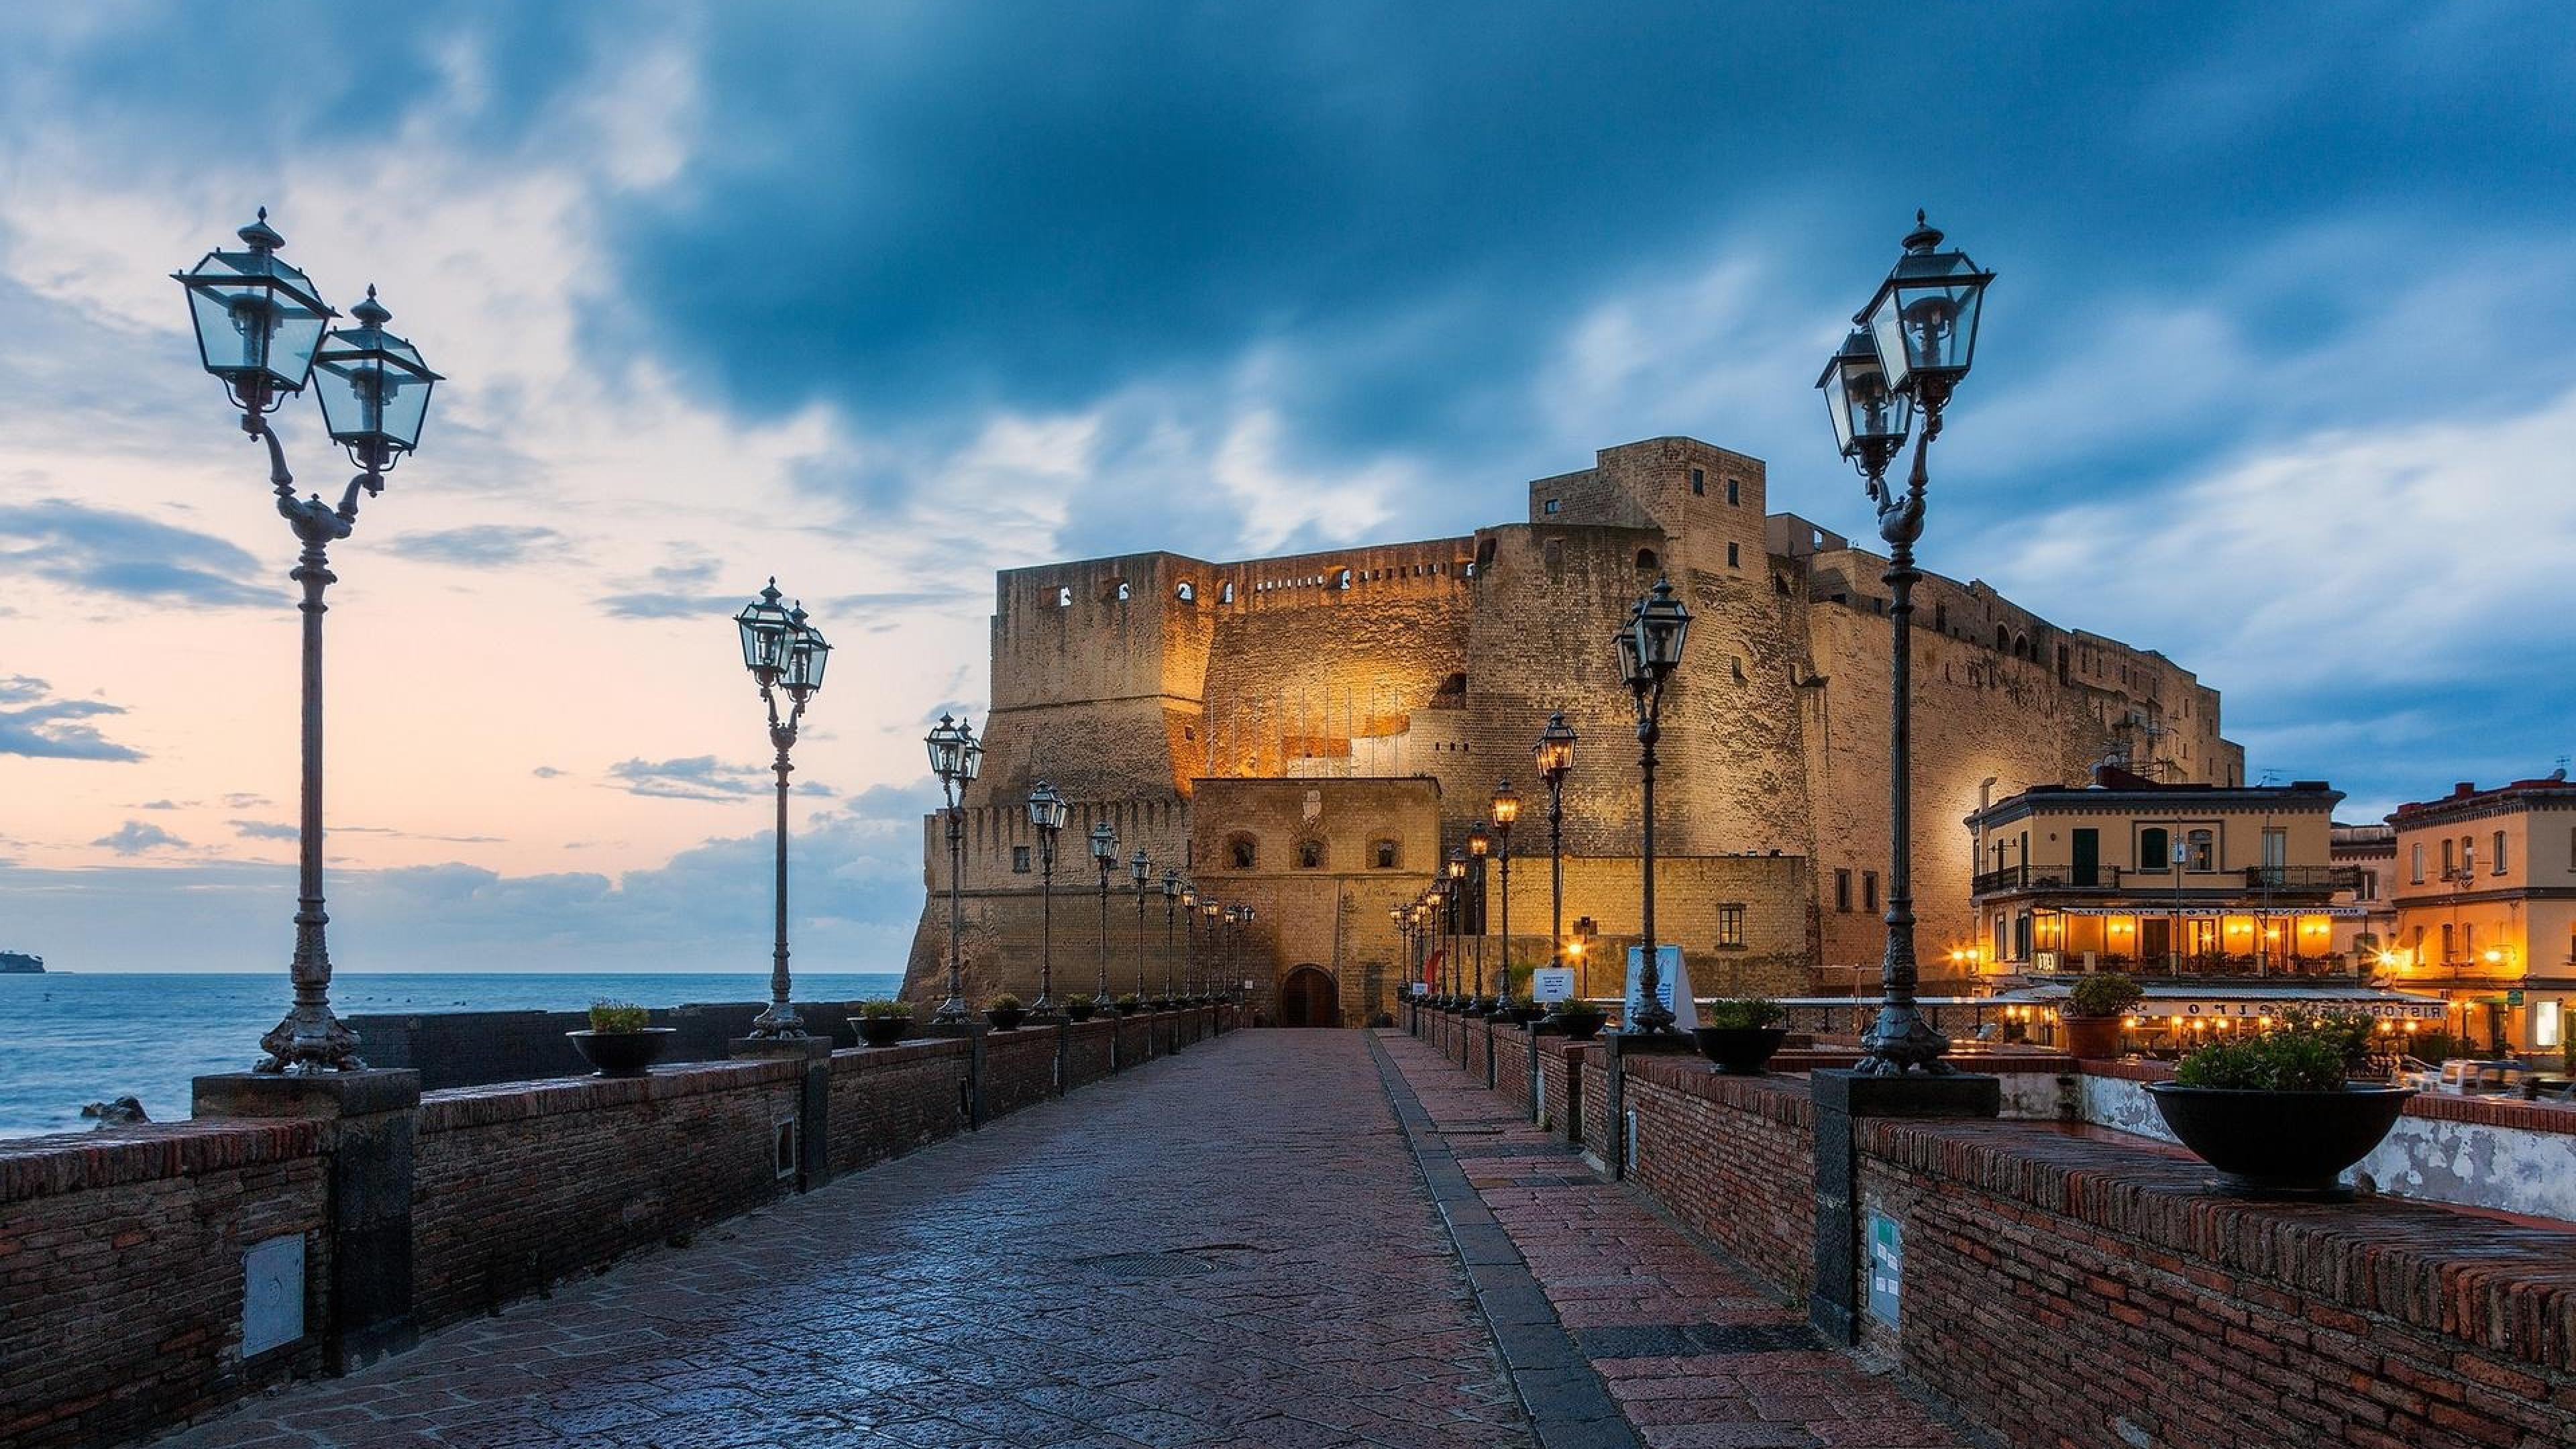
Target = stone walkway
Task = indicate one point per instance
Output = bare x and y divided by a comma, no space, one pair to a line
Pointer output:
1693,1352
1227,1247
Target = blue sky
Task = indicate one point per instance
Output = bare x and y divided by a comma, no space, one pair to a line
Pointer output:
883,297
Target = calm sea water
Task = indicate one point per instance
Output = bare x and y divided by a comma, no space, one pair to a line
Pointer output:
67,1039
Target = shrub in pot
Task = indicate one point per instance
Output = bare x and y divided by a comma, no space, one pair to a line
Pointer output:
2276,1112
1079,1008
1005,1012
1740,1034
882,1023
1128,1004
622,1040
2093,1011
1577,1019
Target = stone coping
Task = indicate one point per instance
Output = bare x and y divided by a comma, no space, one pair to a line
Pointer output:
459,1107
2505,1287
34,1167
2436,1106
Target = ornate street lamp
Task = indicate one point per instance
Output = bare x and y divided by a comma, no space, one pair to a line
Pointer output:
263,329
956,757
1209,911
1176,968
1454,881
1047,811
1554,756
1915,341
1505,809
1104,854
1650,649
1243,921
1141,869
1480,845
782,651
1233,941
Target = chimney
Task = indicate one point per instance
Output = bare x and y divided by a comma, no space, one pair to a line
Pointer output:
2465,787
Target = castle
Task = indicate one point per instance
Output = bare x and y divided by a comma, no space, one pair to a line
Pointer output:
1311,735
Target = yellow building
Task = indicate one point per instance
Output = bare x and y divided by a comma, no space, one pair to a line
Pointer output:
2485,890
2164,881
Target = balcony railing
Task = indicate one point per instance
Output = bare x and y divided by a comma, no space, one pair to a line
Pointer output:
2314,879
2285,879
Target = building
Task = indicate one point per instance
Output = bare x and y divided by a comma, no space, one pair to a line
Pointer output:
2369,852
2156,879
1310,735
2486,909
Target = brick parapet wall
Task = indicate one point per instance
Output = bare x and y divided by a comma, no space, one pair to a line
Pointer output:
1559,1068
1733,1157
1019,1068
1090,1052
887,1101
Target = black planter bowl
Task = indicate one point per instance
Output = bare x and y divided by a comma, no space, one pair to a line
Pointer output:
1079,1008
1006,1018
1584,1030
1740,1051
881,1030
2281,1144
622,1053
1127,1008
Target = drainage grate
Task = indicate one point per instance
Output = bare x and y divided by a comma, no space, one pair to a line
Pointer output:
1678,1340
1142,1265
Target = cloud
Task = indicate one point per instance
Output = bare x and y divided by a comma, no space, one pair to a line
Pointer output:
265,830
45,727
481,546
102,551
671,606
547,772
699,777
134,838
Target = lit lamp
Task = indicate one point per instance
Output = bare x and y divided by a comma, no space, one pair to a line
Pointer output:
1171,904
1504,809
1650,649
1104,854
783,651
1480,847
956,757
1454,895
1047,811
1913,344
1141,870
260,324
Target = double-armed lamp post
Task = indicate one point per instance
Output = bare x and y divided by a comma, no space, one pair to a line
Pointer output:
1175,983
1454,881
1047,811
1211,914
264,330
1104,854
784,651
1141,869
1554,757
1506,808
1650,649
1480,848
957,758
1908,349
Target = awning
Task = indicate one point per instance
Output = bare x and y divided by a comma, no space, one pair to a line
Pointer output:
2248,1003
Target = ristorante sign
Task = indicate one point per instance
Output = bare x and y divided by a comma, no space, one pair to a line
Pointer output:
2238,1009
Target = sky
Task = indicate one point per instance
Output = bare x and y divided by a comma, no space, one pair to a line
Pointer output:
879,298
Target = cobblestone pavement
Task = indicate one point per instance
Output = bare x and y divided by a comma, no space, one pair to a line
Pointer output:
1230,1247
1695,1352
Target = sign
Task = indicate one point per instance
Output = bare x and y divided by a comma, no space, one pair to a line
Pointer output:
2250,1010
1551,984
1422,988
272,1294
2513,998
1672,987
1886,1267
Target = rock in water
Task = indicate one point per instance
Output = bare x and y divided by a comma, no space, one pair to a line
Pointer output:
124,1111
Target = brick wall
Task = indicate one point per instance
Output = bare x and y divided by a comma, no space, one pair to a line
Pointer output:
1593,1098
1733,1157
1091,1052
1559,1073
516,1186
887,1101
121,1273
1019,1068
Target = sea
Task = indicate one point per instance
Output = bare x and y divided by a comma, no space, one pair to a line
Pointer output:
69,1038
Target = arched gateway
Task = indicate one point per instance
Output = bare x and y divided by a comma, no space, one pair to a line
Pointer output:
1308,997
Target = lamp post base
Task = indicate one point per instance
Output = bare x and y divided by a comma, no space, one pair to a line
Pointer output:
779,1023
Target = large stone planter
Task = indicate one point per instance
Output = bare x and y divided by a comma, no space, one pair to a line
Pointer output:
2281,1144
622,1053
1740,1051
2092,1037
1079,1008
1006,1018
880,1031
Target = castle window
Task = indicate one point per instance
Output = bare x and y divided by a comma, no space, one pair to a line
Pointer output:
1940,618
2154,850
1550,506
1780,585
1699,481
2003,638
1730,927
1842,891
1225,593
1019,860
1310,855
1382,855
1734,493
1646,558
1064,598
1484,552
1242,852
1869,890
1342,580
1115,592
1731,561
1186,592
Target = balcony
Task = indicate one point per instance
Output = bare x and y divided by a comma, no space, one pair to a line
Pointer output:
2303,879
2291,880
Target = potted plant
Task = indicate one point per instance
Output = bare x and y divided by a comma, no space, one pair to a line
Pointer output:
1078,1008
1740,1034
1005,1012
622,1040
2276,1112
2093,1012
882,1023
1578,1019
1128,1004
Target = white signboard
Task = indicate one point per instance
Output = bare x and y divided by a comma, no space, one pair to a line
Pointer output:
1422,988
1552,984
1672,986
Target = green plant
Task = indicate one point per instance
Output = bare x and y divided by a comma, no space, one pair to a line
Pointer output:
1130,999
1575,1008
1004,1002
2307,1052
2103,993
879,1010
1744,1013
616,1017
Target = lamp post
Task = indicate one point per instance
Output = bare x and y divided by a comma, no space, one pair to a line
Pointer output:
1586,930
1455,881
1505,809
263,329
1480,845
1211,911
782,650
1141,870
956,757
1554,756
1171,903
1910,347
1650,649
1104,853
1233,939
1403,956
1191,968
1047,810
1244,922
